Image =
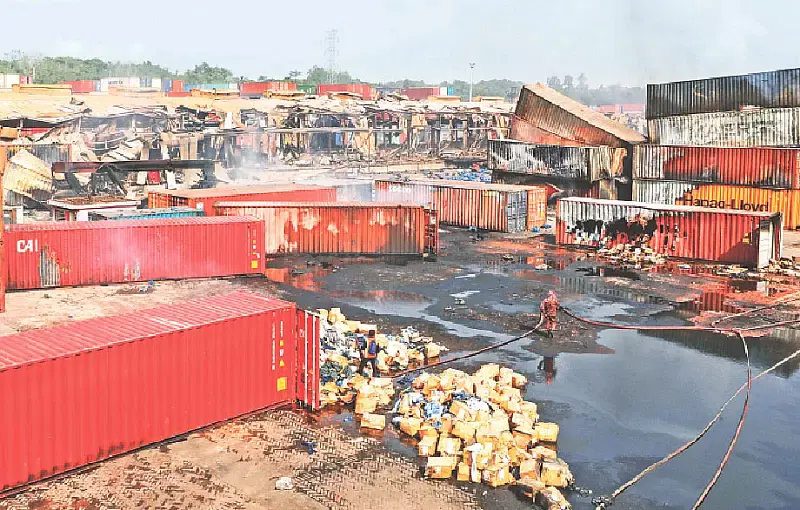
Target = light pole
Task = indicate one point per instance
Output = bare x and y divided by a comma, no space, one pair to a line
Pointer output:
471,78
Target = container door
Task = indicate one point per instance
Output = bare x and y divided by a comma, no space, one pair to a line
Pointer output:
517,211
765,244
308,352
431,232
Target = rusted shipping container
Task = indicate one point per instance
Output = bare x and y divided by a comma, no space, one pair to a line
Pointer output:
772,89
717,235
748,166
346,228
82,392
204,199
498,207
583,163
558,117
59,254
721,196
776,127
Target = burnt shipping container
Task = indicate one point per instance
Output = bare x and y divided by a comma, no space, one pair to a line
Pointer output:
59,254
345,228
716,235
557,161
550,117
82,392
722,196
771,89
747,166
498,207
204,199
775,127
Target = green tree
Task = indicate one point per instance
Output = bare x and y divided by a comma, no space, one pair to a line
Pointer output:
205,73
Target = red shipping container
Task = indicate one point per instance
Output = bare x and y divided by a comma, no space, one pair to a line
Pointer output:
204,199
82,392
717,235
178,86
260,87
420,93
342,228
80,86
58,254
761,167
499,207
367,92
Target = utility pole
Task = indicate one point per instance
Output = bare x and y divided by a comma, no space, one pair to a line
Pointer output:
471,78
332,53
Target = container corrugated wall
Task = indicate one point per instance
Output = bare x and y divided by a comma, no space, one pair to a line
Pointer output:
583,163
778,127
721,196
338,228
41,255
750,166
772,89
730,237
204,199
498,207
75,394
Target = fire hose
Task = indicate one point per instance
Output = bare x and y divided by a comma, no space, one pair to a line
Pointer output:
603,502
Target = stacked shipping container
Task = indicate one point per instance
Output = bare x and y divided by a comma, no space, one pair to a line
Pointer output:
41,255
498,207
726,236
719,144
204,199
75,394
347,228
579,171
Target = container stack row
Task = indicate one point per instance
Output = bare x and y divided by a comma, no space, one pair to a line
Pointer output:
729,143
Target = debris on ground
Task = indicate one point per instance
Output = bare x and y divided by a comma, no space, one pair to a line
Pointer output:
477,428
638,254
340,359
783,267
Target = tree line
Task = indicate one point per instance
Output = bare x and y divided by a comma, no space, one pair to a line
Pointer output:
57,69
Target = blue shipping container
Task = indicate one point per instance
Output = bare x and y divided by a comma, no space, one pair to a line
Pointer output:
451,91
144,214
166,85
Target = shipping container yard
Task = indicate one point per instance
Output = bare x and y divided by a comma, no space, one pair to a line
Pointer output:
244,285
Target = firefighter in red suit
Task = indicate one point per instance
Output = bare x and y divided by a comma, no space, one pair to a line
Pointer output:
549,310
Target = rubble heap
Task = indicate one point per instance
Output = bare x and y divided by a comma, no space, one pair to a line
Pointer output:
477,427
340,357
638,254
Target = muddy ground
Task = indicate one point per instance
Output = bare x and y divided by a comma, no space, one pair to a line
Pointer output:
478,290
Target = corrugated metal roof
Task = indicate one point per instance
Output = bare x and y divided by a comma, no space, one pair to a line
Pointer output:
464,184
99,225
222,191
89,335
574,108
28,175
672,208
301,205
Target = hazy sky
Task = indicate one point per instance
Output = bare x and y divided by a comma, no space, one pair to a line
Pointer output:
612,41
